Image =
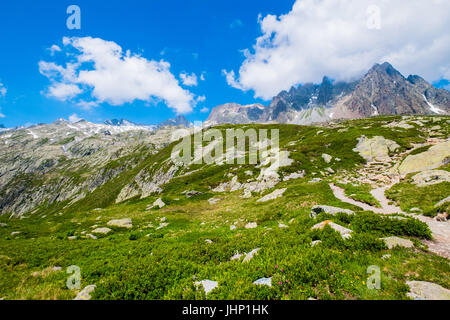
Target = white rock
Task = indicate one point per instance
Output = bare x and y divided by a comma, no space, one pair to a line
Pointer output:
345,233
158,203
422,290
250,255
208,285
102,230
271,196
264,282
327,158
121,223
251,225
392,242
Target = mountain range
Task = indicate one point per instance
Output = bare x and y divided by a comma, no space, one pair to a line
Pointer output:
382,91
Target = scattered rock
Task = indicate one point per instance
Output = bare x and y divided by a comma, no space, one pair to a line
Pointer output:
376,148
72,237
237,256
416,210
102,230
345,233
91,236
264,282
316,210
14,233
56,268
192,193
327,158
271,196
422,290
208,241
330,170
392,242
386,256
442,202
295,175
121,223
158,203
430,177
162,225
249,173
213,201
233,227
315,180
85,294
251,225
250,255
208,285
282,226
3,224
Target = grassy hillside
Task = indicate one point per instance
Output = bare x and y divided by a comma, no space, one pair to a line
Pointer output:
156,261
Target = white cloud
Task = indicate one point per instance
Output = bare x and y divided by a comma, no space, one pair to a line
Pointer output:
189,80
203,76
1,114
2,90
74,118
102,73
343,39
63,91
201,98
204,110
54,48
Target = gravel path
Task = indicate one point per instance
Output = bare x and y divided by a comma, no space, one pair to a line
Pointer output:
440,230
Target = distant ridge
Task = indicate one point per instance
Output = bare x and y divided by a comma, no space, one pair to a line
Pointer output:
382,91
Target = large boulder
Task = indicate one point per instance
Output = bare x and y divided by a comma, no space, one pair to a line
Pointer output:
422,290
376,148
435,157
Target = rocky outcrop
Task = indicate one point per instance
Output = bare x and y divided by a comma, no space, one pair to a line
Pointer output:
438,155
376,148
430,177
423,290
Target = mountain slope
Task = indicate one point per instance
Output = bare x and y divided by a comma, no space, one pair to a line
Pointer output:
224,222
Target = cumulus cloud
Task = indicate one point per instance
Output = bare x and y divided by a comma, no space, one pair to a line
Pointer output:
343,39
98,71
2,94
2,90
54,48
189,80
74,118
204,110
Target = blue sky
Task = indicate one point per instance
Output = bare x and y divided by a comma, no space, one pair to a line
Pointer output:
197,36
247,51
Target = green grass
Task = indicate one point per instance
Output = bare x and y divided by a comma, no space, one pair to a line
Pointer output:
149,263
